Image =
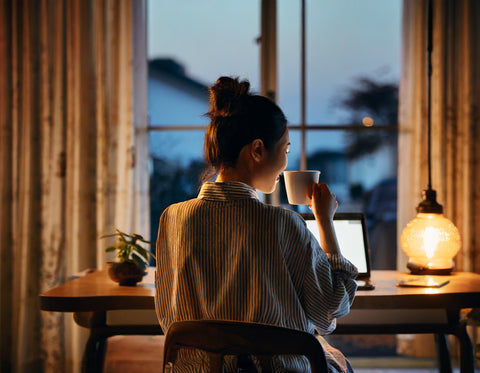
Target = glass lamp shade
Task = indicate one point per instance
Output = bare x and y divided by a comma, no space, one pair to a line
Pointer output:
430,241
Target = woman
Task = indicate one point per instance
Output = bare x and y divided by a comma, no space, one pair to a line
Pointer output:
226,255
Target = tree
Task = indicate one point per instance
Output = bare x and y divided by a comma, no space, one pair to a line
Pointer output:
375,99
378,100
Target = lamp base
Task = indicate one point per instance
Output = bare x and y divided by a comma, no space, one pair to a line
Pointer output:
417,269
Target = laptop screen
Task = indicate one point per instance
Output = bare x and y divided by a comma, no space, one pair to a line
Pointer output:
352,238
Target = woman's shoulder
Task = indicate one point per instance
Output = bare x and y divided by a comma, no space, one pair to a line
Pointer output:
179,208
294,216
287,217
284,212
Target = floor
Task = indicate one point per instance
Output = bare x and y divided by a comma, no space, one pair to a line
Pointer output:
133,354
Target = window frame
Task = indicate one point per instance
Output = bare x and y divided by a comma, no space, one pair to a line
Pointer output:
268,77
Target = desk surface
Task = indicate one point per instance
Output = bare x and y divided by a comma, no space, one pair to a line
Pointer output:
95,291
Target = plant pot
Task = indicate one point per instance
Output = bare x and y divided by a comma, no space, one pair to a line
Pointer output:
126,273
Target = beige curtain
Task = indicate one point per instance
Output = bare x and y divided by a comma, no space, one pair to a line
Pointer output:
73,153
455,120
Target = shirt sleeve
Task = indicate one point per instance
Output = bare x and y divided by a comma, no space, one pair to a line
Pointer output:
328,286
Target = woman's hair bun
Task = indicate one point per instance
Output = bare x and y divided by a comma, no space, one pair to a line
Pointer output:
227,96
237,117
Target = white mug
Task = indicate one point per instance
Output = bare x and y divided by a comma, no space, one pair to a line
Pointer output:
299,186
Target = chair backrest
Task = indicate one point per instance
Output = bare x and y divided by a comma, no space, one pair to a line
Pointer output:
219,338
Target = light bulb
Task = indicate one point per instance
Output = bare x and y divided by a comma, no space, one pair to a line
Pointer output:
431,241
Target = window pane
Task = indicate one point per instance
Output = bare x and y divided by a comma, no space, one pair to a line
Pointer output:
346,169
191,44
364,179
346,40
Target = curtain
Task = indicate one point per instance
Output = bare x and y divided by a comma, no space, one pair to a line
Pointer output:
73,157
455,120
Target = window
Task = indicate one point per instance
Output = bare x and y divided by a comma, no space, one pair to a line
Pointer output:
352,72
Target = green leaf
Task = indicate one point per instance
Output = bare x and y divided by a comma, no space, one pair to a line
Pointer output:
127,245
149,242
110,235
122,235
146,253
138,259
141,251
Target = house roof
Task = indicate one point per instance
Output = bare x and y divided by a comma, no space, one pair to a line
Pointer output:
172,72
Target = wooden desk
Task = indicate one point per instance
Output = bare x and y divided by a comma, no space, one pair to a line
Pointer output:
387,309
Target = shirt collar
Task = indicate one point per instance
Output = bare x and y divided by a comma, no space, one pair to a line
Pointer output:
227,191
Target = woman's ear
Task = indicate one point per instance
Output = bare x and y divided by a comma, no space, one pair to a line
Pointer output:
257,150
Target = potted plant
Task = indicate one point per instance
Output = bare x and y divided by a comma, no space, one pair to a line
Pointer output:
132,258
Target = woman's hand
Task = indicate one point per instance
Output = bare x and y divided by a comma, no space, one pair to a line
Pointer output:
324,202
324,205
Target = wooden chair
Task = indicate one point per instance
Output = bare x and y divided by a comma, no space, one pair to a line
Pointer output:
219,338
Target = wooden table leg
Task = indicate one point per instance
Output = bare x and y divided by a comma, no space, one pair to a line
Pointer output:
459,330
95,349
443,353
94,354
467,353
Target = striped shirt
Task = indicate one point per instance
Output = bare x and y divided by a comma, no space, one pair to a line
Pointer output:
226,255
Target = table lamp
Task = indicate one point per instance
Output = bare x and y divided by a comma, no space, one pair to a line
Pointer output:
430,240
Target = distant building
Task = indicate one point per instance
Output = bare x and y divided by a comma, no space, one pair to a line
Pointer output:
175,99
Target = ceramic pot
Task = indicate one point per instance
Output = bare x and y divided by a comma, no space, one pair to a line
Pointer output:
126,273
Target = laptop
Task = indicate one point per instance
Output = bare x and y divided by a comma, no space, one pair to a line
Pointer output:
351,230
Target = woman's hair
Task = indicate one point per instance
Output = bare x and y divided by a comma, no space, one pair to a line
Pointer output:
238,117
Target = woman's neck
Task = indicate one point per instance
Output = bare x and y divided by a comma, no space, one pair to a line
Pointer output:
233,174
